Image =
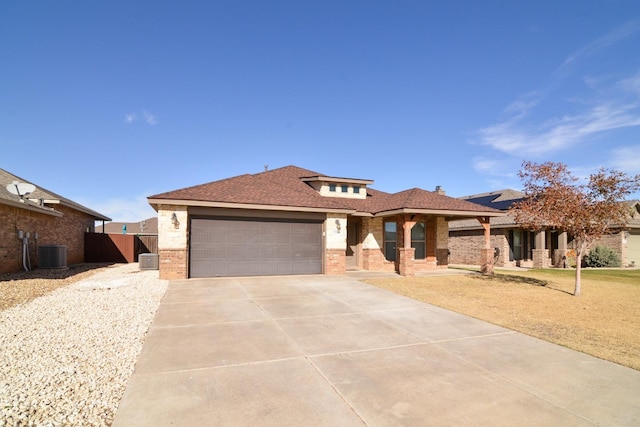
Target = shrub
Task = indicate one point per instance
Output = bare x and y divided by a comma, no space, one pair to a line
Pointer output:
602,256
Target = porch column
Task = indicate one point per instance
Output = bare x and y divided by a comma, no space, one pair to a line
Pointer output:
406,254
486,254
561,252
540,251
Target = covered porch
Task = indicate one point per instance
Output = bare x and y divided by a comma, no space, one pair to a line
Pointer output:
406,242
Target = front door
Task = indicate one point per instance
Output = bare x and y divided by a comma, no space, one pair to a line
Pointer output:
351,259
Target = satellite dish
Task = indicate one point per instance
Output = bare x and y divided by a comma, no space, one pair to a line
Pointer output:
20,188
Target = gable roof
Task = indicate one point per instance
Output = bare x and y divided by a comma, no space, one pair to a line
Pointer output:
38,200
286,188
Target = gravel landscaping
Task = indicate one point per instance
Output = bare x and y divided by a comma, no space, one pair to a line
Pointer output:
65,357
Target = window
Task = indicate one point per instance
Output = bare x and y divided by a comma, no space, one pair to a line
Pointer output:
332,188
345,188
356,189
419,240
390,241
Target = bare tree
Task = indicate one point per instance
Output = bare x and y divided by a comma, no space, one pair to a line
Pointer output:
555,199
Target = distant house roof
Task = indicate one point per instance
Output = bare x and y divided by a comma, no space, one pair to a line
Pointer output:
146,226
504,199
500,199
40,200
288,188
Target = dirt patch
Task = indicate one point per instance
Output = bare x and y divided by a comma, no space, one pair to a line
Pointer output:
19,288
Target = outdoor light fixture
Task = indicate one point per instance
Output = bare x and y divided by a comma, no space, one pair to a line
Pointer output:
338,225
174,220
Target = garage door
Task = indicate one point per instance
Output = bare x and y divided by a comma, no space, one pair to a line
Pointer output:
633,249
254,247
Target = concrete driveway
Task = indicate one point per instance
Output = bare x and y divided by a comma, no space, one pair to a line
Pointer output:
332,351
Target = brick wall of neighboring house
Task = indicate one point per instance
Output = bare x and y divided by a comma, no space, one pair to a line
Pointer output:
616,243
67,230
465,246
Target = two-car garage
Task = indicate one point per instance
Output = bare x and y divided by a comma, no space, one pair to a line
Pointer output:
230,246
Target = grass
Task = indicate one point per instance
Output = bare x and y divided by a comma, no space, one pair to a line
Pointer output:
602,322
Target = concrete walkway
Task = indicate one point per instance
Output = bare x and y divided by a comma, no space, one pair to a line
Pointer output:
332,351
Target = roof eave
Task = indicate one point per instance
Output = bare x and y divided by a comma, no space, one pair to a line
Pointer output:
228,205
441,212
32,208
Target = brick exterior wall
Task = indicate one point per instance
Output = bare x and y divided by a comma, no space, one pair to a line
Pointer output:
334,261
466,246
173,264
173,247
67,230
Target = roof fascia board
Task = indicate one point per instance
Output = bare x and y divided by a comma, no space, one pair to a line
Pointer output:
32,208
335,179
205,204
450,213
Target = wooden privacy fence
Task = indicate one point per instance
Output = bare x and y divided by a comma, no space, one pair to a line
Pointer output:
121,248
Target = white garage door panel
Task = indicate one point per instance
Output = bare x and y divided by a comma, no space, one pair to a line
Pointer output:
248,247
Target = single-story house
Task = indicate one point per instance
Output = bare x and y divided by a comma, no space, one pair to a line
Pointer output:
39,218
516,246
295,221
145,227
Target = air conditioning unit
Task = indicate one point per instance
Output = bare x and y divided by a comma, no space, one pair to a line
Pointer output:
52,256
148,261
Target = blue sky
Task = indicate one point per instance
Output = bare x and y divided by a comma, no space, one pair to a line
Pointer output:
107,103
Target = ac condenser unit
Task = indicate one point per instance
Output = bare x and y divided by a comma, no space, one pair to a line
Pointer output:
52,256
148,261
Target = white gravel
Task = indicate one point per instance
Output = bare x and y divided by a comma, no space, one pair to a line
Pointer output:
65,358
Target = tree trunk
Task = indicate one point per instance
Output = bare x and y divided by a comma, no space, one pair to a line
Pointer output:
576,291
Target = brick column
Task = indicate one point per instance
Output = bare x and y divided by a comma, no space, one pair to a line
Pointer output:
334,261
407,261
540,253
486,254
560,256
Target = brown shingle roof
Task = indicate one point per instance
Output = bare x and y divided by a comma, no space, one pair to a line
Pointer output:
41,193
285,187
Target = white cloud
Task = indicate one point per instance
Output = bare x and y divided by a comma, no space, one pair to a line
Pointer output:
631,84
518,135
150,118
626,159
483,165
617,34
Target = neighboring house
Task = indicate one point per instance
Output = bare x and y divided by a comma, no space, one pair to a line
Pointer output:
147,226
295,221
42,218
516,246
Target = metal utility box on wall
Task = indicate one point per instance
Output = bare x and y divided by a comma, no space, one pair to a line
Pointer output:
52,256
148,261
